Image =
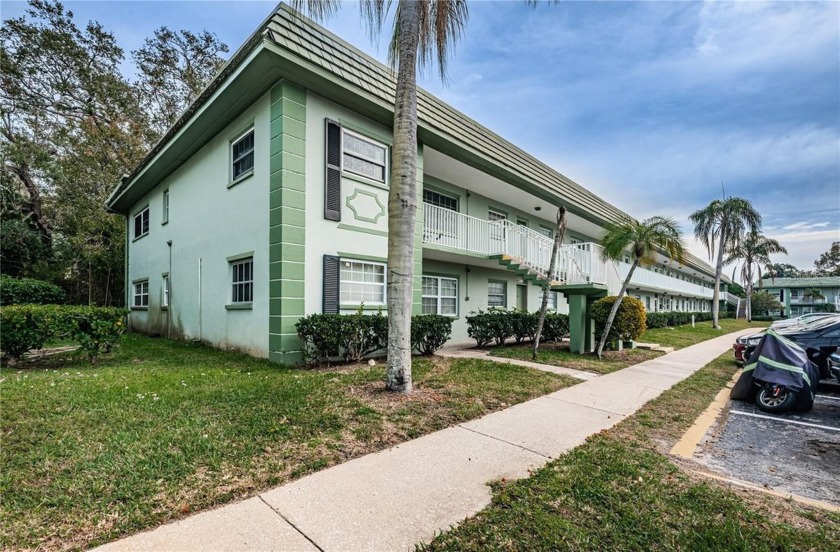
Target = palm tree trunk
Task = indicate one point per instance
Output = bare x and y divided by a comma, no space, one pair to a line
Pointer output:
718,274
552,266
614,310
402,202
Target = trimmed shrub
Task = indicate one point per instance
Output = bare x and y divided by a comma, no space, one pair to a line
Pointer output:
487,326
629,321
362,334
352,337
523,325
27,327
27,291
663,319
556,326
429,332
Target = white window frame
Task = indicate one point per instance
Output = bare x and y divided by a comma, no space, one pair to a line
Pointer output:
439,296
233,159
164,292
553,301
143,227
376,143
244,285
343,295
503,294
441,194
165,213
140,291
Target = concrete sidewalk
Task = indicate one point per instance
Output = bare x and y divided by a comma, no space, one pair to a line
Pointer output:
396,498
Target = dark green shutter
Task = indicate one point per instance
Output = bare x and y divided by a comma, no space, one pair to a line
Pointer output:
332,184
331,283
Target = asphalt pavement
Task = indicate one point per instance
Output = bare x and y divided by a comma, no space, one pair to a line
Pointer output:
796,453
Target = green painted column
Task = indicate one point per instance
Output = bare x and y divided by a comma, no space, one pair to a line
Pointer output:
577,323
417,292
787,302
588,328
287,218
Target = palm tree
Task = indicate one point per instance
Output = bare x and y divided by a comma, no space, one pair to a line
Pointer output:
814,293
643,240
424,31
751,254
725,222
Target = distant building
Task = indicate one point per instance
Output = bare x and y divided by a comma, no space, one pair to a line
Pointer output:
792,294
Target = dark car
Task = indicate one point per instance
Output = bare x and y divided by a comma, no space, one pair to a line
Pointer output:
834,366
819,339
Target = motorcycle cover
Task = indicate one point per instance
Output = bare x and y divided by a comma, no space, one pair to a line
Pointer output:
780,361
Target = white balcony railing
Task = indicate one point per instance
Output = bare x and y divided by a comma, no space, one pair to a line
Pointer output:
653,280
576,264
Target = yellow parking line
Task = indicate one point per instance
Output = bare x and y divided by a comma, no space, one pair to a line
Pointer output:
685,447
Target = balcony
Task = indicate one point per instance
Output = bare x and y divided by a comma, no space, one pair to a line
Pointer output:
807,301
660,282
576,264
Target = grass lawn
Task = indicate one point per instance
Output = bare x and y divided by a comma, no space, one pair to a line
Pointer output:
683,336
160,429
619,491
558,354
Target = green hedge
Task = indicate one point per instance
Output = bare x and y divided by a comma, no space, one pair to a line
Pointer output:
26,291
500,325
27,327
663,319
629,322
352,337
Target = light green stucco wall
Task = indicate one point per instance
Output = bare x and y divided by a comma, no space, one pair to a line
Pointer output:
208,222
362,231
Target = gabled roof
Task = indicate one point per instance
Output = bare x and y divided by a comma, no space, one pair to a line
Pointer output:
818,282
289,45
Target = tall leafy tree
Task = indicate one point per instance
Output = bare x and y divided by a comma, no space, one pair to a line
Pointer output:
750,255
723,223
643,240
174,67
70,124
785,270
423,33
828,264
814,294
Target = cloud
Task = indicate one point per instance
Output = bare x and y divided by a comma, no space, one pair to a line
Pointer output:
803,225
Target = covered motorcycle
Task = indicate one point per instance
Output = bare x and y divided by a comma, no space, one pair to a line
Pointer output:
778,376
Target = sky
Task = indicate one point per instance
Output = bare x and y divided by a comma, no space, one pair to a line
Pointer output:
658,107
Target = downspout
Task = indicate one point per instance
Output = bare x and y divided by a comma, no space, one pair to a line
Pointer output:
169,292
126,275
199,300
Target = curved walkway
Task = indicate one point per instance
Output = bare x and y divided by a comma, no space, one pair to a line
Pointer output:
393,499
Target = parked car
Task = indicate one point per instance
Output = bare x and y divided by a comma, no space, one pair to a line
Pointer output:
819,338
800,320
834,366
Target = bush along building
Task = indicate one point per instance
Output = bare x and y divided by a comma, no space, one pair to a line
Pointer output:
805,295
267,201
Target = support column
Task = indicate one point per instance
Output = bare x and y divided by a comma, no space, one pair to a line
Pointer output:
577,323
287,235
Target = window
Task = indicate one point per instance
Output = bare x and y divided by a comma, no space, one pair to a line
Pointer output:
647,302
242,155
141,294
440,295
794,294
165,206
362,282
242,281
546,232
141,223
496,294
164,292
440,200
363,157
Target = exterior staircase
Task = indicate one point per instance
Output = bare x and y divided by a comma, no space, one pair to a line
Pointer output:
526,270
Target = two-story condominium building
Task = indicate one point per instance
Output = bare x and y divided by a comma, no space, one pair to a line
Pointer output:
794,294
267,201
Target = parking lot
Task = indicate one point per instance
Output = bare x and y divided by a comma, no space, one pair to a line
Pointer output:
795,453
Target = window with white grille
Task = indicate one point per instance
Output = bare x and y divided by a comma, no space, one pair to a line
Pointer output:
363,156
496,294
440,295
242,281
362,282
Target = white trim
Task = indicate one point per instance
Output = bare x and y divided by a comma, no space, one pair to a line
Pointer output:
439,296
343,299
369,140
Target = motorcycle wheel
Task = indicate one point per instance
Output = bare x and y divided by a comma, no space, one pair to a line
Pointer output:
775,399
